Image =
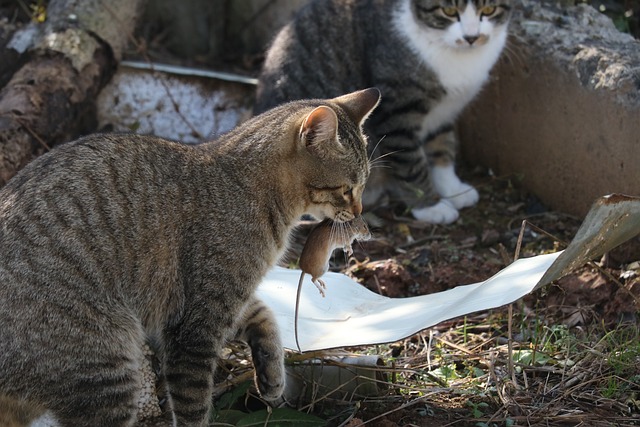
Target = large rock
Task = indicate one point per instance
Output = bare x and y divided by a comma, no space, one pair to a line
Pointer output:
563,109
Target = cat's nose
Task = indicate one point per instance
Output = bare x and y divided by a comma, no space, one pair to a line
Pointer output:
357,208
471,39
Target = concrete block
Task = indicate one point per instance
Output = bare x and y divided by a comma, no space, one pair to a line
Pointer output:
562,109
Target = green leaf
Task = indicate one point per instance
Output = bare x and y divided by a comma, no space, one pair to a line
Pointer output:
446,372
230,416
530,358
133,127
228,399
281,417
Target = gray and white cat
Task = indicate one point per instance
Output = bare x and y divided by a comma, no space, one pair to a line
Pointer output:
429,58
115,240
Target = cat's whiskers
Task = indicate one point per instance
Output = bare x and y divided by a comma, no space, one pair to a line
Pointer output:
338,232
345,230
349,230
376,148
332,232
378,162
360,237
335,233
514,51
386,165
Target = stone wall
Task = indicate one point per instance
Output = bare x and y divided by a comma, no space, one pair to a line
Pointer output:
563,109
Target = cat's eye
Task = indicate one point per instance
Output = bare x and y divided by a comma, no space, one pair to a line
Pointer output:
488,10
348,192
451,12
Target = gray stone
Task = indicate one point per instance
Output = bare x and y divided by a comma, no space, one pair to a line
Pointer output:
562,109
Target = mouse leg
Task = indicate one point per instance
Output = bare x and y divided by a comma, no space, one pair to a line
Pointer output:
320,285
348,250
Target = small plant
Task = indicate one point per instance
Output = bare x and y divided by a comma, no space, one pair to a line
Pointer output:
477,409
224,414
623,358
446,373
36,10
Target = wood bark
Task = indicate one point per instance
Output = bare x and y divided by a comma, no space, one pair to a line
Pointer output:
9,58
50,99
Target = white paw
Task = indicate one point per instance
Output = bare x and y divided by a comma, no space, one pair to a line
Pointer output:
448,186
442,212
464,197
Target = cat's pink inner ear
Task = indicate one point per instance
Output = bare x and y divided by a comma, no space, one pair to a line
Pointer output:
320,125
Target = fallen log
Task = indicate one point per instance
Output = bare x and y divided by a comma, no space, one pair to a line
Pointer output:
50,99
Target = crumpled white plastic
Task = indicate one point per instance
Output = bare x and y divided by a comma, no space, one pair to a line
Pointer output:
351,315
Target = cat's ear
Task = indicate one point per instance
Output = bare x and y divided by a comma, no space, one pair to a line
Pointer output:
320,126
358,105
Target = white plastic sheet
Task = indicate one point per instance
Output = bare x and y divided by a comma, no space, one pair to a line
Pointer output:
351,315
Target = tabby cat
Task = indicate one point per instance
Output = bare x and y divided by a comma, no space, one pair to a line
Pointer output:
114,240
429,58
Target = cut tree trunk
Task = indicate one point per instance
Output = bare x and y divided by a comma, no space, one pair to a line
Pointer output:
10,59
51,98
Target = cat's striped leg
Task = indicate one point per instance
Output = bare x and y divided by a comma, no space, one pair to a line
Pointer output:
102,388
103,395
410,163
454,194
411,183
260,331
189,367
441,152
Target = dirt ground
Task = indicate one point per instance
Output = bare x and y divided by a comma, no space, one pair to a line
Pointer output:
584,328
566,355
406,258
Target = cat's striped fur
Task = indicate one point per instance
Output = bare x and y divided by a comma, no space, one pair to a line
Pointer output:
114,240
429,58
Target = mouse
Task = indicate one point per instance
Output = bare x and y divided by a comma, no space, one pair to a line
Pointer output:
326,237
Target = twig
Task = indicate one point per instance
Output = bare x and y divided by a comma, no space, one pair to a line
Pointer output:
401,407
189,71
32,132
456,346
422,241
512,370
352,416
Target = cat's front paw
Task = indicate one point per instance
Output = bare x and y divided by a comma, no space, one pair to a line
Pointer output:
270,374
449,187
442,212
464,196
